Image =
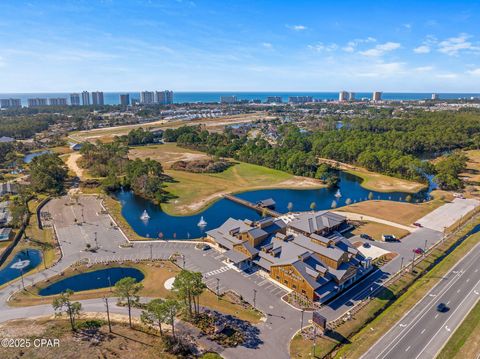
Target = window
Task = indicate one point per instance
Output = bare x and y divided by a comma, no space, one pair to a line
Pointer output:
285,281
294,286
303,291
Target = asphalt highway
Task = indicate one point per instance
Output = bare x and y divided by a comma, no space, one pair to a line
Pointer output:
424,330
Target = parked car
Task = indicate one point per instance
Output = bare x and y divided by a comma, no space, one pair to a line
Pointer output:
418,224
366,236
389,238
418,251
442,307
366,245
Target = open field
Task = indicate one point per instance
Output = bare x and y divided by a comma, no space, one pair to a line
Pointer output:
166,154
465,342
123,342
213,124
399,212
375,230
156,273
376,181
358,336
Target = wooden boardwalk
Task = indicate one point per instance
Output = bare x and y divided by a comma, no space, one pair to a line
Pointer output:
243,202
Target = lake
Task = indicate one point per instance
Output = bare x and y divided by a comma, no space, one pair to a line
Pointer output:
186,227
102,278
30,156
23,261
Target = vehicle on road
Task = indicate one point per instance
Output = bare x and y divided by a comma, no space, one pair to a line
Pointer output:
416,224
442,307
366,236
419,251
389,238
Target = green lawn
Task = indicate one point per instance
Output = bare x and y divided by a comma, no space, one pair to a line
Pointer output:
195,191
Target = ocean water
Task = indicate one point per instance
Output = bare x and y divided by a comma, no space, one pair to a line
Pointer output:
113,98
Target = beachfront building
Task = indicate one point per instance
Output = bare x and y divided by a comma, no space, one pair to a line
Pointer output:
274,99
307,254
57,101
376,96
75,99
85,98
164,97
342,96
147,97
97,98
37,102
10,103
300,99
228,99
125,99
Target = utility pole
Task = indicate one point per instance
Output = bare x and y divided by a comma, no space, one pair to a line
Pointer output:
425,249
218,288
183,258
151,251
413,261
301,323
254,298
401,264
108,315
314,339
21,274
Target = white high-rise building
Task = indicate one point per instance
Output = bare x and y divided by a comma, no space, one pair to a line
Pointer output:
164,97
351,96
10,103
97,98
147,97
342,96
228,99
435,96
85,98
60,101
377,96
75,99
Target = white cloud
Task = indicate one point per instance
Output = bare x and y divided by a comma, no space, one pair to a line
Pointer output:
447,76
297,27
383,69
422,49
267,45
454,45
380,49
320,47
475,72
423,68
352,45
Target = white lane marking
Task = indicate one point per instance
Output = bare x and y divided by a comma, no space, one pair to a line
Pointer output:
403,325
408,348
448,302
458,291
436,316
423,331
468,280
447,329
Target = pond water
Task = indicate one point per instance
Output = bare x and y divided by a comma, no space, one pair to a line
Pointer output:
102,278
29,157
23,261
165,226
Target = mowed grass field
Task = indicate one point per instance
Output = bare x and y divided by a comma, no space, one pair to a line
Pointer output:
195,191
399,212
381,183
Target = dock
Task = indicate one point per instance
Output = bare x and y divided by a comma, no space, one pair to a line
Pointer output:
270,212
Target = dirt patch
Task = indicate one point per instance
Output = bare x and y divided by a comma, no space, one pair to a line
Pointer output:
73,165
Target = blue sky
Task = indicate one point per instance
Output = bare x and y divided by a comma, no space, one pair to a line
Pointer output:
112,45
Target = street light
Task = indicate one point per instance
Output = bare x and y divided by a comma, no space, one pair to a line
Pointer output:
254,298
151,251
401,264
301,323
218,288
425,249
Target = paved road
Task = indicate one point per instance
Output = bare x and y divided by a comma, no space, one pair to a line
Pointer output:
423,331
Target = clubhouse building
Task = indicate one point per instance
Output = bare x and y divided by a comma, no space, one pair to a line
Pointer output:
304,252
